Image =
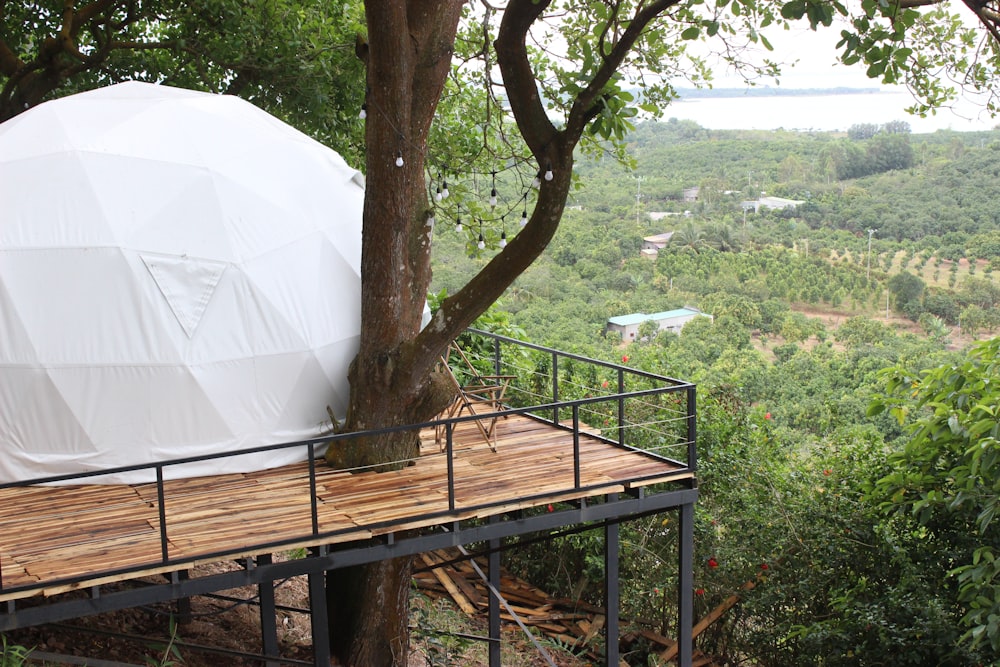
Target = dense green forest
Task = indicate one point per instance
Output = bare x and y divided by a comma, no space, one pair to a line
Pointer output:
846,410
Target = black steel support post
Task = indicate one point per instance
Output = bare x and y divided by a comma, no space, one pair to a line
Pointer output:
494,607
612,593
685,585
319,616
184,604
268,616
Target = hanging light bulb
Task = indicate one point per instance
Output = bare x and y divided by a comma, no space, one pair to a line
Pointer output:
364,112
399,158
524,217
493,197
482,241
548,171
536,182
458,224
438,196
503,239
431,221
444,190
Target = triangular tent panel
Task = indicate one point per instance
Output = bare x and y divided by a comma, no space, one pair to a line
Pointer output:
187,285
179,277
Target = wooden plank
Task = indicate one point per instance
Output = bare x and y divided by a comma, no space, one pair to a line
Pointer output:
449,585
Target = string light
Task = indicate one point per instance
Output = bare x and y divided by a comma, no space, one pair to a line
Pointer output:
503,239
444,189
524,217
548,171
399,158
482,242
536,182
493,192
438,195
364,112
458,224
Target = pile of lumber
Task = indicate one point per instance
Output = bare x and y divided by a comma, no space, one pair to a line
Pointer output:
571,623
574,624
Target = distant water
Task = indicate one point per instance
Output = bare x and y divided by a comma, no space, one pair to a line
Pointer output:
822,113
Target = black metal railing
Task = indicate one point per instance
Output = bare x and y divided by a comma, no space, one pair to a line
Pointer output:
625,407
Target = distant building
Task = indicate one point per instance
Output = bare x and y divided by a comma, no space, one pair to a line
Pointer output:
690,194
669,320
777,203
660,215
656,241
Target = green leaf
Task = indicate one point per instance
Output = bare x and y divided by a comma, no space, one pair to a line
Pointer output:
691,33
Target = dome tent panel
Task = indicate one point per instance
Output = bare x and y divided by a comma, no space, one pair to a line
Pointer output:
188,285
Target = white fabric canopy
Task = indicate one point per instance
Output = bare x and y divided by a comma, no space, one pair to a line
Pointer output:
179,276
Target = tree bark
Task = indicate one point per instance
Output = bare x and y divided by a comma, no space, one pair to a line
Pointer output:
393,380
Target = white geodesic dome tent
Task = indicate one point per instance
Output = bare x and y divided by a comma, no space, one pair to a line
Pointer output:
179,276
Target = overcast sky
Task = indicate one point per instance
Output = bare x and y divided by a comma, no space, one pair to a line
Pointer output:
810,61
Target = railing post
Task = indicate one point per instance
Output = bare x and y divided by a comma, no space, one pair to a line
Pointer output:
497,366
161,501
576,446
692,428
313,502
555,386
621,407
450,453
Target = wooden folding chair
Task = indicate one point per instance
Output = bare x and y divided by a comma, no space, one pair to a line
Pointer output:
480,393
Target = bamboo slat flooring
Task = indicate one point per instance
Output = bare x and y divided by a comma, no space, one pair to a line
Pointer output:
62,537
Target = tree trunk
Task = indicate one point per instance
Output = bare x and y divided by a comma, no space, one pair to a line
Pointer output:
393,379
369,613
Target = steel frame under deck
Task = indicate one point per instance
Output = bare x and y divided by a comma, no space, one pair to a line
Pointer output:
590,508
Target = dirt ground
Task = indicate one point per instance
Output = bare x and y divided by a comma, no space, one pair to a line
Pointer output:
219,629
141,636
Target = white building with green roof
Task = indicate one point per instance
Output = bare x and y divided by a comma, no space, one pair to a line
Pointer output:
668,320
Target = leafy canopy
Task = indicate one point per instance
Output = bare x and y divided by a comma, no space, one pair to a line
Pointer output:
948,474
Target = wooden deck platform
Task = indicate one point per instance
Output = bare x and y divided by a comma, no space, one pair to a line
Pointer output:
54,539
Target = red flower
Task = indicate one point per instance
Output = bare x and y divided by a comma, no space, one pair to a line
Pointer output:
656,591
827,472
763,566
625,359
712,562
767,415
699,591
551,508
604,384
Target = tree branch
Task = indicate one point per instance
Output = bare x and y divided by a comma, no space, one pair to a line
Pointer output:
548,145
584,108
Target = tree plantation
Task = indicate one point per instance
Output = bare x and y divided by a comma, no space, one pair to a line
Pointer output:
847,465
